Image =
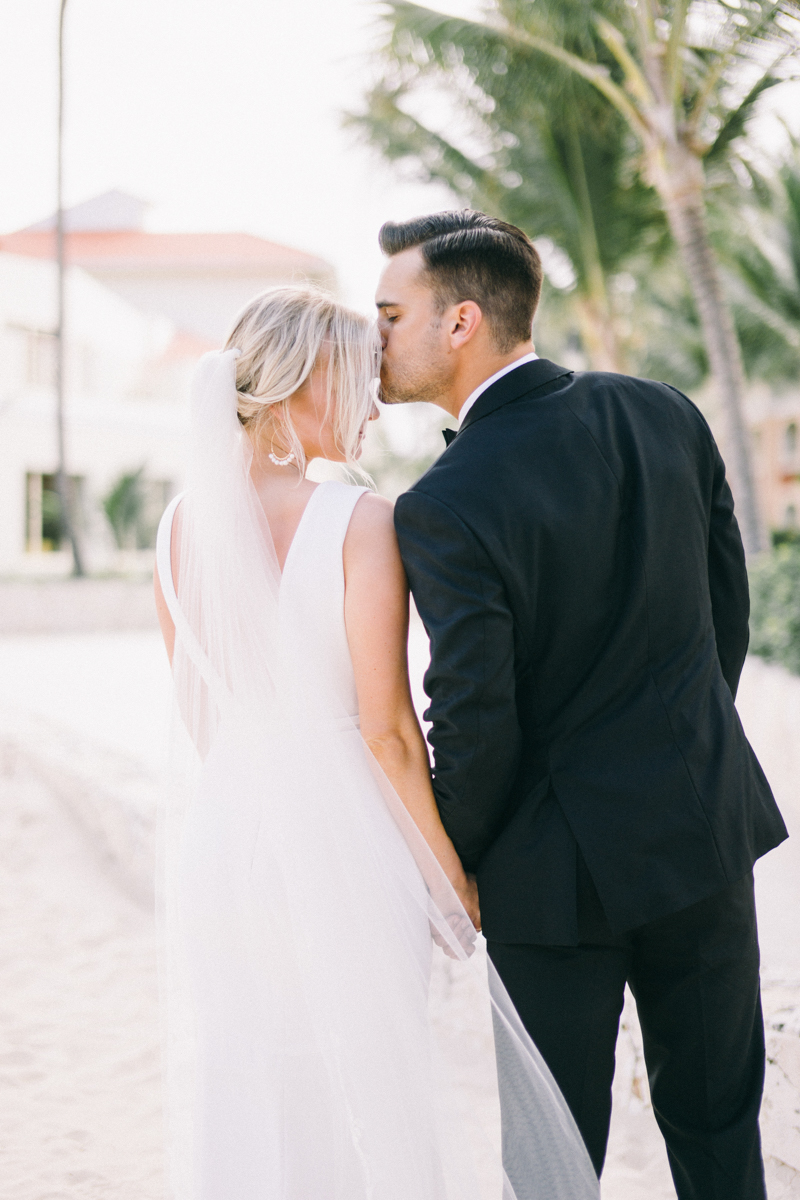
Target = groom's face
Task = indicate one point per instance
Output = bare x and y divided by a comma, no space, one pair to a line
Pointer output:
415,364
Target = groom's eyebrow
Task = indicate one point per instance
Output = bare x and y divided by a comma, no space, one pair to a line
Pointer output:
386,304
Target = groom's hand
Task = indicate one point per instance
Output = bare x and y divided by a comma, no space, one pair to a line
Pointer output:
467,892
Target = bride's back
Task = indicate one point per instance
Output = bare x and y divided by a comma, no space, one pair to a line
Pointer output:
284,503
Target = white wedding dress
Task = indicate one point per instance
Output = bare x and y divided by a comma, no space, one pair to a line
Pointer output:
300,901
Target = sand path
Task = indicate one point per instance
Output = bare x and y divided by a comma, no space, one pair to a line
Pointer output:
79,1063
79,1066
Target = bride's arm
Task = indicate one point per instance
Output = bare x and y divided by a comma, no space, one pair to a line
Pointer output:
376,617
162,608
164,618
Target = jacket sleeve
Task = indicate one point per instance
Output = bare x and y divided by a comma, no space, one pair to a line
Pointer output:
475,733
727,577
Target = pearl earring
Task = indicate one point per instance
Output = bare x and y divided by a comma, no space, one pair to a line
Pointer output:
282,462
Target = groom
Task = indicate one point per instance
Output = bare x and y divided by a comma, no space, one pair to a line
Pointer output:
575,559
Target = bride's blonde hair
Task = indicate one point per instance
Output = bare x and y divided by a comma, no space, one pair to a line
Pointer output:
282,335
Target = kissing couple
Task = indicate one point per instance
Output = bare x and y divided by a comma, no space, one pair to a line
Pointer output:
594,806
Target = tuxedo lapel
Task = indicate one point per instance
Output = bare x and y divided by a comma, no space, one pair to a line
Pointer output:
519,382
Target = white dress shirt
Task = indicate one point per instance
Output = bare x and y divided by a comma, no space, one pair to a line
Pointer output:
481,388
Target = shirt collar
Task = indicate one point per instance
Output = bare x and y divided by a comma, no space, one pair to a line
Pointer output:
481,388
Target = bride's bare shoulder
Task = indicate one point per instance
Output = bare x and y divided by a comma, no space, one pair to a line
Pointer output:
372,512
370,534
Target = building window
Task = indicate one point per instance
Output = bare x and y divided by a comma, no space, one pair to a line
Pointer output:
790,440
134,506
41,358
84,369
33,513
43,511
157,495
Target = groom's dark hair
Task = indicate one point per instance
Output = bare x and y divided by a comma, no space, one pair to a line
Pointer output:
471,256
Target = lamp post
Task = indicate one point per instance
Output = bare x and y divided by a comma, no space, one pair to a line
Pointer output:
68,528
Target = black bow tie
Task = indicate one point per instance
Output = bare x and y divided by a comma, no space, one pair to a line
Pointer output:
448,435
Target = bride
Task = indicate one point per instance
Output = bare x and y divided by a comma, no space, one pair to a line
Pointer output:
307,876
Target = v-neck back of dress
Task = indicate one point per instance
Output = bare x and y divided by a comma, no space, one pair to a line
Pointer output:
311,596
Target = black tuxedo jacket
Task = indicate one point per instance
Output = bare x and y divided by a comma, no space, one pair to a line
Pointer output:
575,559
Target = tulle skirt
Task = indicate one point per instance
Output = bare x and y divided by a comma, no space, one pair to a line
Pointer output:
312,1058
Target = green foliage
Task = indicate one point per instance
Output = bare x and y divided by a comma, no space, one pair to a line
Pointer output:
755,231
785,537
521,133
124,506
51,517
537,146
775,605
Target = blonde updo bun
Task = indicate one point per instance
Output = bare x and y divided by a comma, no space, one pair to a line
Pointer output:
282,334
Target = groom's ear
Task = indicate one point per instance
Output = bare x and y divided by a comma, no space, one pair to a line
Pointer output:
463,321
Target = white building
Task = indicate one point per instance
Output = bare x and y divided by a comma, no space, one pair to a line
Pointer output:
199,281
121,415
141,309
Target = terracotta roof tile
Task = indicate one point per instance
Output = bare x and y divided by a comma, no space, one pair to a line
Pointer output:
130,249
186,346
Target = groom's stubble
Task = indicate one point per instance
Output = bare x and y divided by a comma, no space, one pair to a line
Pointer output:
418,375
416,364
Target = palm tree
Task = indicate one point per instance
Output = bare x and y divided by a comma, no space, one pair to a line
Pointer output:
65,491
685,76
554,161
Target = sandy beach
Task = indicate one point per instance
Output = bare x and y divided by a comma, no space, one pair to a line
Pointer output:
82,719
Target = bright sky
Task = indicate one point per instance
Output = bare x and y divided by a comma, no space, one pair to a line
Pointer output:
225,114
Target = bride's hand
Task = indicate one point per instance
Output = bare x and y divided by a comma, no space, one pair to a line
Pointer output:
466,889
462,924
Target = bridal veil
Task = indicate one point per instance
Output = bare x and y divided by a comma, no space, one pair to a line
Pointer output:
334,1029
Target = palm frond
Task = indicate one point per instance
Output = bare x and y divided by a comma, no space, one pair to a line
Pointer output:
401,137
538,143
735,123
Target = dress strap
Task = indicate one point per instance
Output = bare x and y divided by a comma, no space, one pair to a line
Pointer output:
164,555
342,503
318,541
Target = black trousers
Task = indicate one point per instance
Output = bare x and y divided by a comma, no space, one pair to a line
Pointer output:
695,979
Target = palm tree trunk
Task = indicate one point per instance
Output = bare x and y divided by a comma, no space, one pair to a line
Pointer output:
599,336
678,177
68,526
595,319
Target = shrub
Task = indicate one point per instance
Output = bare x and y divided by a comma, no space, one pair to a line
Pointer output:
123,506
775,605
